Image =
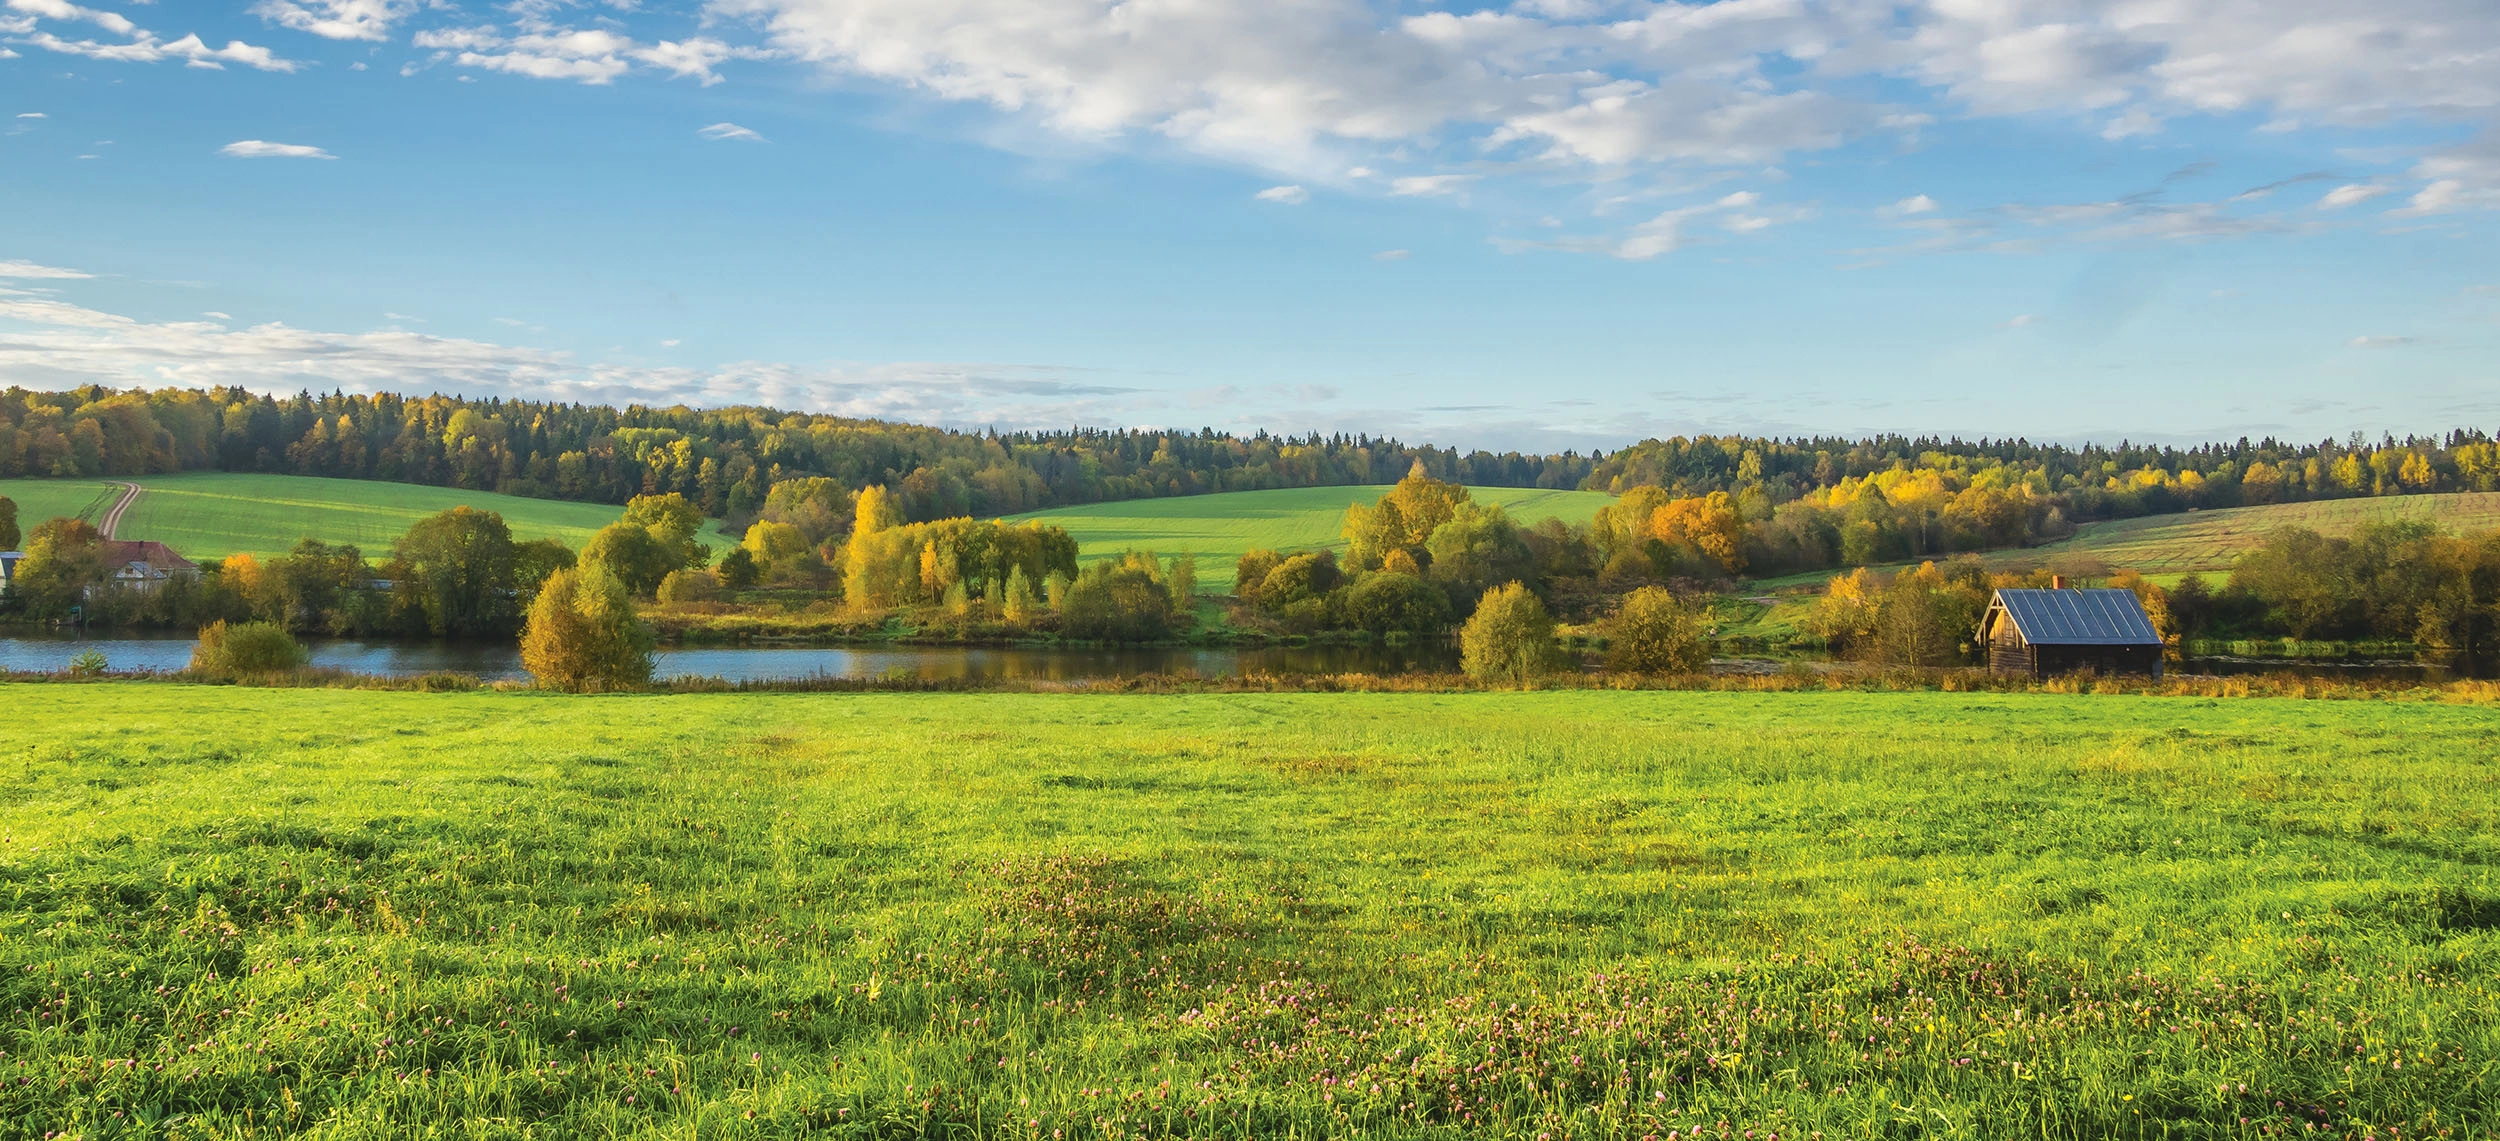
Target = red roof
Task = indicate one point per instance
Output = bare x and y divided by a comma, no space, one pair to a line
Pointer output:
123,552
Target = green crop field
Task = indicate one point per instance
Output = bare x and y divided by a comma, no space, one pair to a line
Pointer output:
209,515
41,499
1220,528
250,912
2211,541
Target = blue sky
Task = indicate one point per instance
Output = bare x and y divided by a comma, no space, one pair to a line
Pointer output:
1551,223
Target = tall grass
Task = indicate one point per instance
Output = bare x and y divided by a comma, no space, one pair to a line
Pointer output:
245,912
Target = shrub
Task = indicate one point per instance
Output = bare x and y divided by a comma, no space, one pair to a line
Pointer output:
1391,602
1308,575
1126,600
1251,571
88,663
583,635
246,648
1656,632
1509,639
691,586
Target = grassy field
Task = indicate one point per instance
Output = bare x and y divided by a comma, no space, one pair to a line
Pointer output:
209,515
1220,528
41,499
2212,541
236,913
2167,548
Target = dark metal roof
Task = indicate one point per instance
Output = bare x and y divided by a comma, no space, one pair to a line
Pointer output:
2079,617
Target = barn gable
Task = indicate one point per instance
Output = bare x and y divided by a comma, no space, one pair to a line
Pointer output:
2041,632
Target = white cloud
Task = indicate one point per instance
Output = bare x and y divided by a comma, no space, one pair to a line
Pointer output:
113,22
147,49
27,269
2350,194
2379,342
337,19
217,316
1912,206
33,115
1315,85
257,148
730,131
671,343
594,56
1393,255
1289,195
63,344
2021,321
1429,185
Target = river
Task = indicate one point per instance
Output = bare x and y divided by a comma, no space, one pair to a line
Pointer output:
768,663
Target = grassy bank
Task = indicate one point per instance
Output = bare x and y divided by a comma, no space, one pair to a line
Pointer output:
241,912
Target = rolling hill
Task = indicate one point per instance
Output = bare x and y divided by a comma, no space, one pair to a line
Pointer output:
210,515
2209,542
1220,528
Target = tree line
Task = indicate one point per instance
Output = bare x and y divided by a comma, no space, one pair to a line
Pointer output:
727,461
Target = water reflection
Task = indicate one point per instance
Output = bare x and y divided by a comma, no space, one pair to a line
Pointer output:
767,663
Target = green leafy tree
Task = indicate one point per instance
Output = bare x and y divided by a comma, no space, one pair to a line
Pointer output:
1251,570
673,520
1477,548
1386,602
456,567
1300,578
1656,632
317,587
1182,577
583,635
533,561
1119,600
634,555
819,507
780,550
738,569
1403,520
1018,605
64,557
1510,638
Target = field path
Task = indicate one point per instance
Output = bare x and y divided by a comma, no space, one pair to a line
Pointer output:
113,518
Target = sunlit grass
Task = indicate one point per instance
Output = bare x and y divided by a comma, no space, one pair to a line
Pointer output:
247,912
210,515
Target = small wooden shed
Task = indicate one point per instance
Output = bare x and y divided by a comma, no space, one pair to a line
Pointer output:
2057,631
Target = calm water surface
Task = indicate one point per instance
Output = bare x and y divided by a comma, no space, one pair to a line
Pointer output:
760,663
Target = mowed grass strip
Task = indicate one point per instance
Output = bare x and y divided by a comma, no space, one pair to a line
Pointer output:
237,912
1220,528
210,515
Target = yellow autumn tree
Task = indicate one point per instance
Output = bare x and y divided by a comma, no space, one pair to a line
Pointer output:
1708,524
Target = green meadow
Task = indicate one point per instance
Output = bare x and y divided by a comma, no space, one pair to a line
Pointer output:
235,912
210,515
2211,542
1220,528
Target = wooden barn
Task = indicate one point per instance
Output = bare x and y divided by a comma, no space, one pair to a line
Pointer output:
2058,631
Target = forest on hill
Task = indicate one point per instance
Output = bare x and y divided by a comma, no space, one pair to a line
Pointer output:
1718,506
